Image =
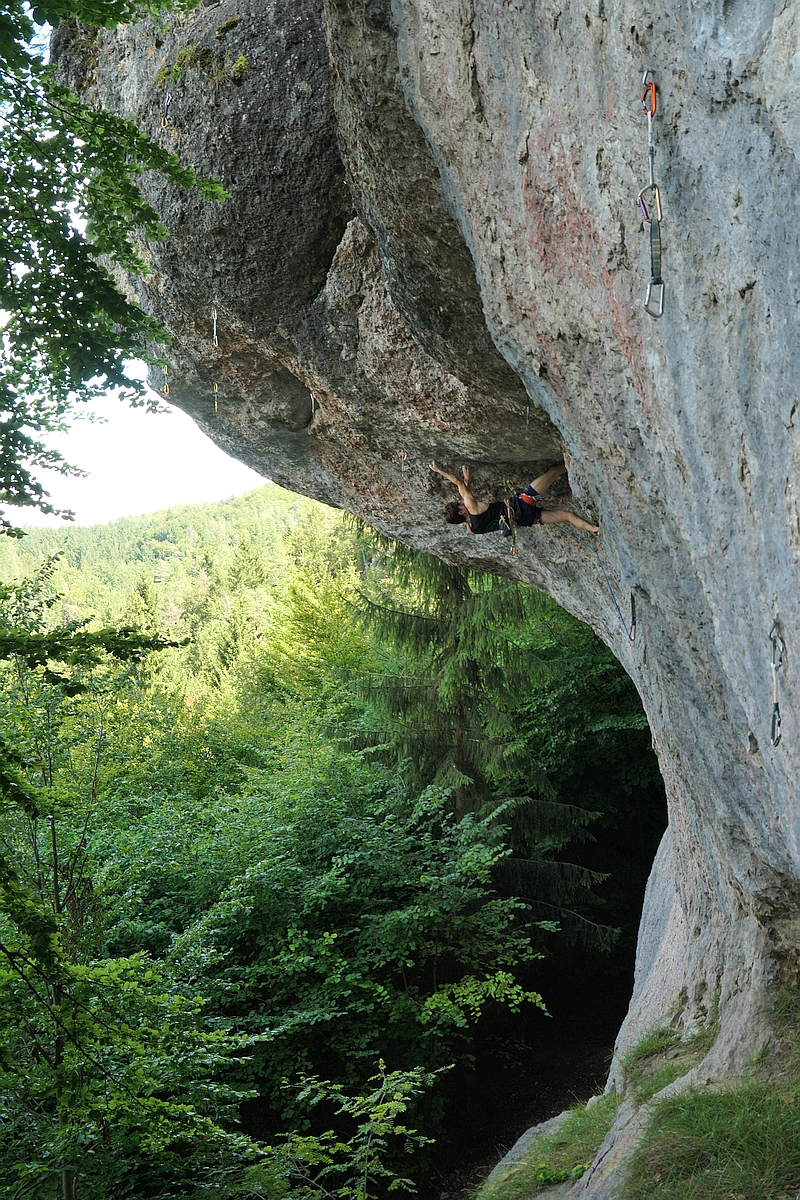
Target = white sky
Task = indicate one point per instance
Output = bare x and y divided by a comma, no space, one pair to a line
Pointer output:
138,462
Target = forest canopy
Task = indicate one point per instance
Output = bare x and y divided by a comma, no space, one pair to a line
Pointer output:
252,880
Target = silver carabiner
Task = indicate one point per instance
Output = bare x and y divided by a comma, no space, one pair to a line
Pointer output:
778,648
654,298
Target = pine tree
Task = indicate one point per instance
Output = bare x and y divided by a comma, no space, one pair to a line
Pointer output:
247,571
142,608
451,714
451,709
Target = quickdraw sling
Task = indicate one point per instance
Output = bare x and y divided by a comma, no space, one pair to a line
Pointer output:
651,207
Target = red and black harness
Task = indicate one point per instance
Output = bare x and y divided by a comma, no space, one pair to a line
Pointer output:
512,513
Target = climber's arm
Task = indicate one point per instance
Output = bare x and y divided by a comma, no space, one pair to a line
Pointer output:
473,506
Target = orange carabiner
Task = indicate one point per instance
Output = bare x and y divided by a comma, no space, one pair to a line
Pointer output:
649,99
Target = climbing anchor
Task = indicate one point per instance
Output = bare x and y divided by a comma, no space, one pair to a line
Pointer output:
778,648
651,207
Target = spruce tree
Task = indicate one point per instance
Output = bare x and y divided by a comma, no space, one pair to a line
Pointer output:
449,710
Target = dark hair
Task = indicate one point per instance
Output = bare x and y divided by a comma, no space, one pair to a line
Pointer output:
452,514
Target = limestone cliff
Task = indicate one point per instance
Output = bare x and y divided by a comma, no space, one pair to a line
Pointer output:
433,224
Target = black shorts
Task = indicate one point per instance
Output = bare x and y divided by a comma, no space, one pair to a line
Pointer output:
528,509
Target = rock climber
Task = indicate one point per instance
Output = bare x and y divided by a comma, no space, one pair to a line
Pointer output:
481,517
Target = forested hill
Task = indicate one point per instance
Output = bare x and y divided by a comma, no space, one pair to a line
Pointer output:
322,833
102,565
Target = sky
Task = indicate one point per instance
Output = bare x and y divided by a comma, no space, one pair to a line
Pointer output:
137,462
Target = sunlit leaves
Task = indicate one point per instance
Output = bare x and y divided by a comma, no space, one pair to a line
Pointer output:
69,179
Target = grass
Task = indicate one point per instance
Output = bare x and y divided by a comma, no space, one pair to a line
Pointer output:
565,1154
661,1057
740,1141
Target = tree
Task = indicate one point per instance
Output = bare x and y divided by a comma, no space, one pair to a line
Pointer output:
472,664
452,710
95,1054
368,928
68,329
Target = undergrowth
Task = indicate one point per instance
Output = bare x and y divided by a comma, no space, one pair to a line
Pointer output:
740,1141
564,1154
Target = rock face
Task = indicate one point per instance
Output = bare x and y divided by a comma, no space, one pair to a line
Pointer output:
433,224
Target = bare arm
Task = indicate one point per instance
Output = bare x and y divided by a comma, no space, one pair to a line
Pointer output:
473,506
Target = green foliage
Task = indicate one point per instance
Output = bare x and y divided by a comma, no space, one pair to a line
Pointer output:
555,1157
451,710
239,68
326,1164
115,1074
67,329
108,1073
203,818
473,647
185,553
105,12
366,929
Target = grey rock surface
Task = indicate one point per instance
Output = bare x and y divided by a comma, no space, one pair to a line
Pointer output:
433,224
524,1143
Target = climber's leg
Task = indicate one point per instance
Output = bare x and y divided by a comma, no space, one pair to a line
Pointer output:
541,484
557,516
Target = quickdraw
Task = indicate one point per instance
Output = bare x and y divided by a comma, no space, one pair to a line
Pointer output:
165,113
215,343
313,404
166,381
403,460
778,648
652,213
509,520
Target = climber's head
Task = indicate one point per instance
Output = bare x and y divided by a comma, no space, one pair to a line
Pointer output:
455,513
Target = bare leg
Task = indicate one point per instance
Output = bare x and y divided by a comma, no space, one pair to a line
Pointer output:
545,481
559,517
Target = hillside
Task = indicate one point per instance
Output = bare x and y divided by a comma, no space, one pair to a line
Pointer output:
100,565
